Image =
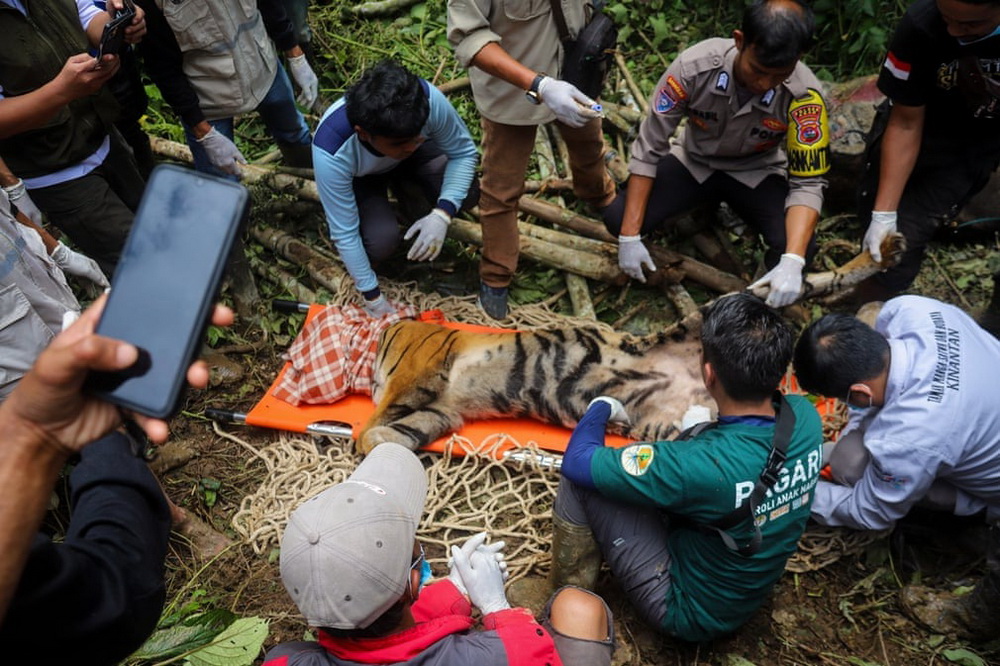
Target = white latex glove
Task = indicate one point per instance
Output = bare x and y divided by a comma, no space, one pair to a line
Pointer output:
306,79
79,265
483,580
222,153
477,542
694,415
18,195
379,307
632,256
430,231
883,223
785,281
618,413
569,104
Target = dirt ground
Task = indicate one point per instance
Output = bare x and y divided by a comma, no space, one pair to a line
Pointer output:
846,613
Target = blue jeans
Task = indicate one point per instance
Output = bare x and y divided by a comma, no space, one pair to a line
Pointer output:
279,113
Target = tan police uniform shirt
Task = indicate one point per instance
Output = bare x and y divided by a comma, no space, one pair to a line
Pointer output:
747,142
525,29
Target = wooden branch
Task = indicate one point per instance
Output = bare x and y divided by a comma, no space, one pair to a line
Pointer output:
627,113
571,241
579,295
281,182
548,185
379,8
671,266
616,120
681,300
640,99
320,269
587,264
454,85
283,279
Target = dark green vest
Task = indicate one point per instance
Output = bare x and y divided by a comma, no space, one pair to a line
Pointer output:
33,51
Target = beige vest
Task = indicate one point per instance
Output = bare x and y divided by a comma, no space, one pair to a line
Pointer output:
228,57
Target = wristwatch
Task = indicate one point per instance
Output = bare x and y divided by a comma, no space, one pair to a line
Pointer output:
532,92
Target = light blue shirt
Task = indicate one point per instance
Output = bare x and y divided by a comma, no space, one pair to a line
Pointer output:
339,157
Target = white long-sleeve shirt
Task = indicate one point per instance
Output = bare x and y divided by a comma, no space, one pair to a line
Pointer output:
940,420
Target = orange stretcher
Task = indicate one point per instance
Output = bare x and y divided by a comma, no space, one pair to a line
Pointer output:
346,417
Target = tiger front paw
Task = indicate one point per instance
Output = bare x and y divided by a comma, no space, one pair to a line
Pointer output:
372,437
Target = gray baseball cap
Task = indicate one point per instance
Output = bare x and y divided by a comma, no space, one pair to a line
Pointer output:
346,552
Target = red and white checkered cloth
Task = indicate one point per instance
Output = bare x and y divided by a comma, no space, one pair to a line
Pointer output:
334,355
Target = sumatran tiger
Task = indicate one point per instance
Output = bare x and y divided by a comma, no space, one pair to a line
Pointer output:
428,379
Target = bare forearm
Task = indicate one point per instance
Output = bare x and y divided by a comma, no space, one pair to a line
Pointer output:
495,61
800,224
96,28
900,147
28,470
636,200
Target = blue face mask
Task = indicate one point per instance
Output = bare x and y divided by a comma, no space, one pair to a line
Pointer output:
425,572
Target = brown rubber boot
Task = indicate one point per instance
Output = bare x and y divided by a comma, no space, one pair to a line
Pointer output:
576,560
973,615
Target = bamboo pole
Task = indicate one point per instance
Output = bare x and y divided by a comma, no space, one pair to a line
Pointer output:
665,259
586,264
640,99
283,279
579,296
320,269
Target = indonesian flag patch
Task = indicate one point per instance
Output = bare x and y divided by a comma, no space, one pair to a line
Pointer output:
898,68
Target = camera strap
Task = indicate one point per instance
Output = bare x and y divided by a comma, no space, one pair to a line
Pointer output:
784,428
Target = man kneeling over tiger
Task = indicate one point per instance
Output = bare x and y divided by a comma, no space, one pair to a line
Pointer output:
697,531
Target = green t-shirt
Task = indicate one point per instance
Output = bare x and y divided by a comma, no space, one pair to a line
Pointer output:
714,590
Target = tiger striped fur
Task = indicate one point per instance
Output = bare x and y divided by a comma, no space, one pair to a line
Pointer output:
428,379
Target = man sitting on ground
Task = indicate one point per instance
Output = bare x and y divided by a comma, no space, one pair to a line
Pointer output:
697,530
926,431
351,563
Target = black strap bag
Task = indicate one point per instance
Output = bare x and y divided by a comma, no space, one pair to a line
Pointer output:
587,58
784,428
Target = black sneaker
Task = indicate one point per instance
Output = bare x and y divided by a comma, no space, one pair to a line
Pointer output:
493,300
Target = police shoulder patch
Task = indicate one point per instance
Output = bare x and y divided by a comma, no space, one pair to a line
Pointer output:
664,102
637,458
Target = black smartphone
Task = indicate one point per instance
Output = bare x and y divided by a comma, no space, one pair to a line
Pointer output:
113,36
165,286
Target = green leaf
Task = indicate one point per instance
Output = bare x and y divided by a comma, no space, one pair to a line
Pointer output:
238,645
963,657
175,640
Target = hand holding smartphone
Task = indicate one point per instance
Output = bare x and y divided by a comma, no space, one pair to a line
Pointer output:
113,36
165,285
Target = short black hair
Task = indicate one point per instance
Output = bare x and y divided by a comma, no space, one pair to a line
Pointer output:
748,344
836,351
388,100
780,31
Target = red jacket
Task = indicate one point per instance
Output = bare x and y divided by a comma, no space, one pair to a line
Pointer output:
442,636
